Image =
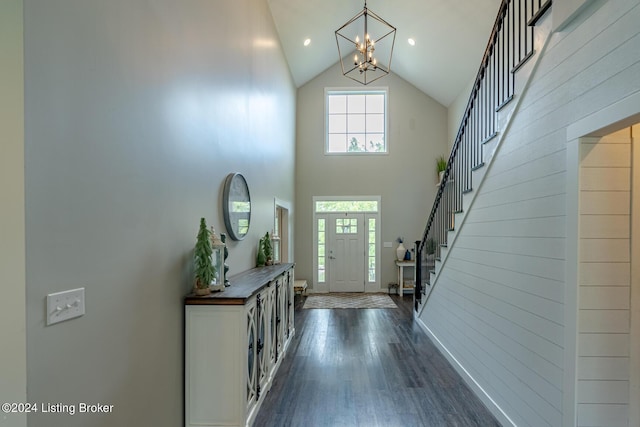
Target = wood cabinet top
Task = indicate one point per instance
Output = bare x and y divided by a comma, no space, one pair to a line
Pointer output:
243,286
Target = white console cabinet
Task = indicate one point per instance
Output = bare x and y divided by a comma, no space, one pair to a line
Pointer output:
234,343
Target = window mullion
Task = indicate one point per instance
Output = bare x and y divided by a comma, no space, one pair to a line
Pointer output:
364,124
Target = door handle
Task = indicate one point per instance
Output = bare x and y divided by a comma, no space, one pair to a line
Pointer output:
332,257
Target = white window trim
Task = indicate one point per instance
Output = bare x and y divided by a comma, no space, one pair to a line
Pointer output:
368,286
384,89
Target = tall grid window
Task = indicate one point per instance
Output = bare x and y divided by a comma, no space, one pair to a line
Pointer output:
356,121
371,250
321,251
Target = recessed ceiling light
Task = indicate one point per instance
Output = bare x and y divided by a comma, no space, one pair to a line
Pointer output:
307,42
412,42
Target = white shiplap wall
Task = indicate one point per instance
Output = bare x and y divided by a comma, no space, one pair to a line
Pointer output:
634,345
498,305
604,280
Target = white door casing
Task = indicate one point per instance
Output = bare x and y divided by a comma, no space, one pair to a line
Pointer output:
346,239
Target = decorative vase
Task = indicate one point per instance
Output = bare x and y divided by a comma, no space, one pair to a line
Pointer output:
400,251
440,176
407,255
201,291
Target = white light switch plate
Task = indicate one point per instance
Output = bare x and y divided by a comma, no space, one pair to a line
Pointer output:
387,245
65,305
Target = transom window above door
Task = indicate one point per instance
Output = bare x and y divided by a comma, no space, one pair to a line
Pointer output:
356,121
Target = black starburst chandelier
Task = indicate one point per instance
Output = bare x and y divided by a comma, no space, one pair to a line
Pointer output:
365,45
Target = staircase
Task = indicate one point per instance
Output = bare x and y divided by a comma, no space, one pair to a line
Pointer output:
508,61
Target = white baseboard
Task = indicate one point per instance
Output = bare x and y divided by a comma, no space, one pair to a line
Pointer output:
491,404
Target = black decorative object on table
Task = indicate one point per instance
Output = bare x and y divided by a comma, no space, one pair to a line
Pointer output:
225,267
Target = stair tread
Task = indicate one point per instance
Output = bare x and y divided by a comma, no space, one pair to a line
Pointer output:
490,137
504,104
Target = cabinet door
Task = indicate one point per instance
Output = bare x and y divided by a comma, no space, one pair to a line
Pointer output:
285,305
273,336
262,342
280,320
290,303
252,354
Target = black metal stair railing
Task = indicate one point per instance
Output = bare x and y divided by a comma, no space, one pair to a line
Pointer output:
510,46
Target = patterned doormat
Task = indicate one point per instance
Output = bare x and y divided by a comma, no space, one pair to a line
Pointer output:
349,300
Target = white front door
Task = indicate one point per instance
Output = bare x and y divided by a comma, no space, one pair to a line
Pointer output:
345,245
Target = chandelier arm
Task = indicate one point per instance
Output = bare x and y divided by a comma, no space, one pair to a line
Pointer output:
352,69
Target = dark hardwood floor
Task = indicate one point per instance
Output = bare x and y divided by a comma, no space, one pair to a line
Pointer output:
354,367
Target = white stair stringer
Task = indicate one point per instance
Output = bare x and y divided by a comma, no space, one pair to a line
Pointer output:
490,149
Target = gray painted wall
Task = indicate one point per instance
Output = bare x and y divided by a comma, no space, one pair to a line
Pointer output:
405,178
13,371
135,113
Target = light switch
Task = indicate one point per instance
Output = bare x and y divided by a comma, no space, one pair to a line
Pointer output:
65,305
387,245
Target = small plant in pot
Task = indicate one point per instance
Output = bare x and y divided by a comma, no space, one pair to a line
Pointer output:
268,249
441,164
204,269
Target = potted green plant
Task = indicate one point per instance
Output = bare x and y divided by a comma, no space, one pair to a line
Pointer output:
441,163
268,249
204,269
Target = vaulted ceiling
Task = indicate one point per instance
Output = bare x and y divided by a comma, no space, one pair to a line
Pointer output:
450,38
